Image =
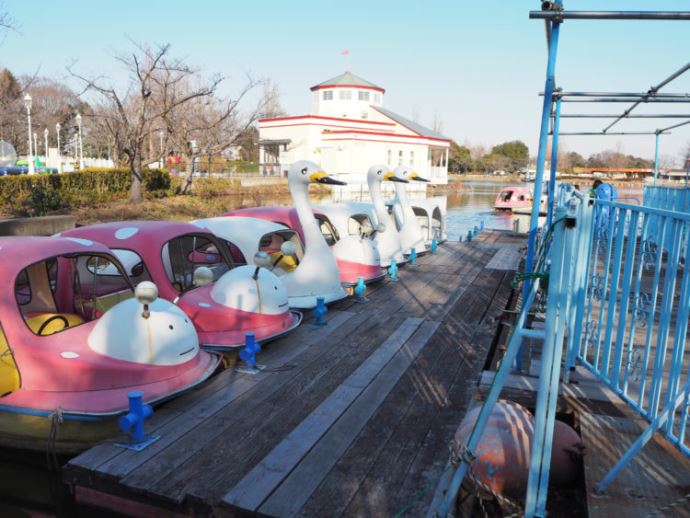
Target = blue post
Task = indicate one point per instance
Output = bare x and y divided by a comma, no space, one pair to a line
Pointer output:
476,231
360,290
434,246
554,163
469,236
133,422
393,270
320,311
251,347
481,225
413,256
541,155
656,157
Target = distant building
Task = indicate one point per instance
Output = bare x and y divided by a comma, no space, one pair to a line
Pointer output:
347,131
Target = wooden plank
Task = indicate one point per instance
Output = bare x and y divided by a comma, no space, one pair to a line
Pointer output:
250,427
432,455
260,482
389,463
103,455
297,488
656,477
236,385
507,257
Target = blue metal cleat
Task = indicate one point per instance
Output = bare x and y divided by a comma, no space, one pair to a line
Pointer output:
481,225
320,312
476,230
133,423
434,246
248,355
469,236
360,290
393,271
413,256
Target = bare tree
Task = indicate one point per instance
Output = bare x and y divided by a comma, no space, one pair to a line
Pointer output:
213,124
130,116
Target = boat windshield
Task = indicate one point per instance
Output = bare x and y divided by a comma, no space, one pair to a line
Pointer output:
65,291
272,242
184,254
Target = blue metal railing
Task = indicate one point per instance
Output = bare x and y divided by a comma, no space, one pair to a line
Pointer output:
617,303
636,313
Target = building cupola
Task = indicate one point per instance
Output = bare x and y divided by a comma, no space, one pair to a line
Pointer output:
346,96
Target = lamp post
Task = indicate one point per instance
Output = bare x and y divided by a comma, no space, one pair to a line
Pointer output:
27,105
160,134
81,147
35,146
45,146
57,130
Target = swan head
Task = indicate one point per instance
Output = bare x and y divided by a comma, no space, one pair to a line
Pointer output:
408,173
305,172
382,173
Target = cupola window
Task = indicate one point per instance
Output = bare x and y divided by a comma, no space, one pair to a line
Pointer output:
363,96
328,95
345,95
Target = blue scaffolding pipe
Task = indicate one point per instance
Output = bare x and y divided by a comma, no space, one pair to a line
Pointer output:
549,86
614,99
612,134
675,126
554,163
656,156
654,89
558,15
641,95
614,116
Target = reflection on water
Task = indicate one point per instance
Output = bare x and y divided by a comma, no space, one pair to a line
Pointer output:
466,208
474,204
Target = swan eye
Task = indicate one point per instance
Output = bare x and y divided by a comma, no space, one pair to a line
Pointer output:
304,171
379,172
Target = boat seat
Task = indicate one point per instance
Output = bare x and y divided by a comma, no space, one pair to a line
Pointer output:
284,262
36,320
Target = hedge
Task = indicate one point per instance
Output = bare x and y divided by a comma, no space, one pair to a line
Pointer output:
39,194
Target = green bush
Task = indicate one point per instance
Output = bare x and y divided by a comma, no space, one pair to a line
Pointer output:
44,200
39,194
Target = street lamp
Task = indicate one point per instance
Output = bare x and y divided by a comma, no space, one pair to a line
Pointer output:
81,146
45,147
27,105
160,134
57,130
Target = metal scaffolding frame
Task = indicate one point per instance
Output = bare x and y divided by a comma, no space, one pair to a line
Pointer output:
553,15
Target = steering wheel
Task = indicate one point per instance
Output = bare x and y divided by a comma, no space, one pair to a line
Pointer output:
49,320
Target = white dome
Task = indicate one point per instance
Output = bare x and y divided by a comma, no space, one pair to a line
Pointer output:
237,289
167,337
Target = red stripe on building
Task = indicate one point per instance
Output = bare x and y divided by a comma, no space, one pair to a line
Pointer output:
321,117
321,87
385,134
377,140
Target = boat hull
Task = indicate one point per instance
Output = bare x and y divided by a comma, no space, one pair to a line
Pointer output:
29,428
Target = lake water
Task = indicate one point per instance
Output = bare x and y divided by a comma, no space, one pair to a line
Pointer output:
474,204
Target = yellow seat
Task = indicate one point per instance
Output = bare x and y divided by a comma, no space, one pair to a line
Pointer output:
9,374
284,262
36,320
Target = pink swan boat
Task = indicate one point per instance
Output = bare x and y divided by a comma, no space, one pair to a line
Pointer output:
198,272
74,343
367,265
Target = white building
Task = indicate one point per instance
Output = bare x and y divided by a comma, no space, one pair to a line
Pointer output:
347,131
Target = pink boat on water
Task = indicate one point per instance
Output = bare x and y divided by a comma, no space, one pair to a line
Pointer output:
74,343
205,276
514,197
353,261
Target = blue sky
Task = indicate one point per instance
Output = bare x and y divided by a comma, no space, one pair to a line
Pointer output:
478,66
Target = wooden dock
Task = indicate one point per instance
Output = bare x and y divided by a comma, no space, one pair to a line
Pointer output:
353,418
